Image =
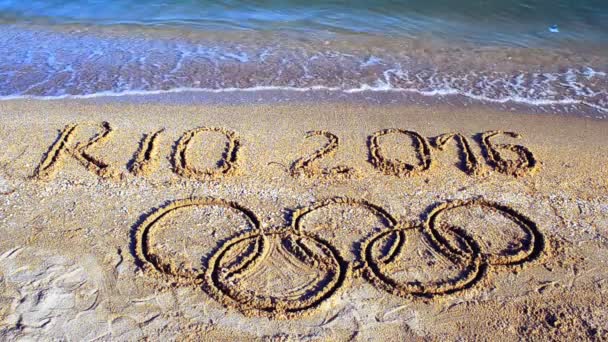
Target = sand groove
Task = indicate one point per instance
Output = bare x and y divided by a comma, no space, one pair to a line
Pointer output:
470,163
308,166
145,232
53,159
147,157
396,167
227,165
380,269
308,271
524,164
300,215
527,249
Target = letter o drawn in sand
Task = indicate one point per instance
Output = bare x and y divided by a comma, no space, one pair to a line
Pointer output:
280,274
524,243
227,165
145,235
399,261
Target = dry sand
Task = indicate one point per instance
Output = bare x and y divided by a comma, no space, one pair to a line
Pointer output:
170,222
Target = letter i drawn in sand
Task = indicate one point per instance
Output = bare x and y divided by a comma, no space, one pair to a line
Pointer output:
146,158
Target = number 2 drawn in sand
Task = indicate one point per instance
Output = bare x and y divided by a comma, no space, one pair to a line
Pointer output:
308,167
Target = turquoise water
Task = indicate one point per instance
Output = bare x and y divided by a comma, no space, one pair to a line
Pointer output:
517,22
484,50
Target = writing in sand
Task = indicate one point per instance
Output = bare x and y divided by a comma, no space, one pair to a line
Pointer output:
506,158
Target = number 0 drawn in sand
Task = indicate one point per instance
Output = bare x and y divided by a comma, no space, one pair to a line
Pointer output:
397,167
288,272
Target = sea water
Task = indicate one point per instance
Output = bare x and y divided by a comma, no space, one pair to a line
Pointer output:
538,53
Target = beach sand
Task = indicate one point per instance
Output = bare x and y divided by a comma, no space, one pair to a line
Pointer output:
300,222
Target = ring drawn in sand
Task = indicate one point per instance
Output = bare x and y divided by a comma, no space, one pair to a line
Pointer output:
280,274
146,158
63,147
470,163
337,231
145,235
527,246
408,276
524,164
227,165
308,166
396,167
291,271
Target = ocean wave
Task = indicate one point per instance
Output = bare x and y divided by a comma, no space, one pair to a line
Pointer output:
51,65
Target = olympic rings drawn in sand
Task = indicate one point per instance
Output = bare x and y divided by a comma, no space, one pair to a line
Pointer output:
308,167
222,277
531,247
397,167
227,165
62,148
305,253
300,214
378,270
145,232
240,268
469,254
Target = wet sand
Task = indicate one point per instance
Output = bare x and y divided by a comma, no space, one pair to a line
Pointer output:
300,222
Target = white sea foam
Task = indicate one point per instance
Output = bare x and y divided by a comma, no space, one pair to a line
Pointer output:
515,99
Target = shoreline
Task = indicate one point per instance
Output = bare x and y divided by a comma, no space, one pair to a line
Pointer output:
302,96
